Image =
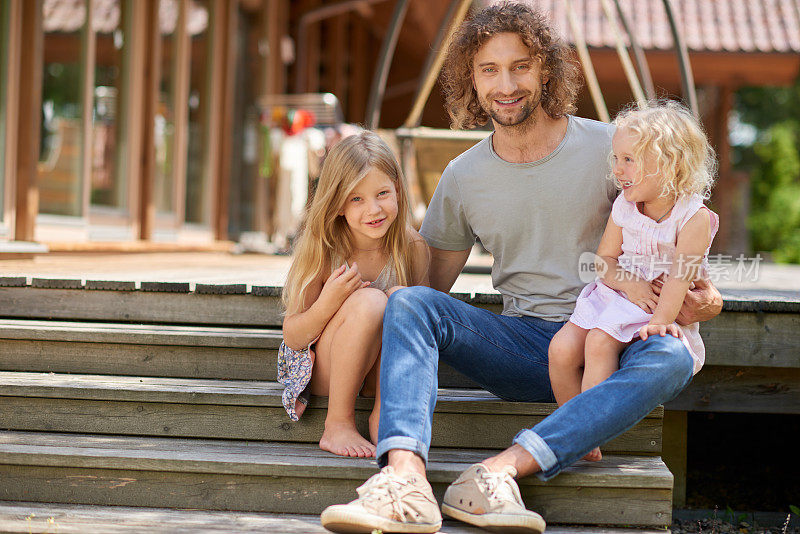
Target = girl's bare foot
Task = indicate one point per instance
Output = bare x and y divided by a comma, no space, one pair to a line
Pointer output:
373,427
594,455
343,439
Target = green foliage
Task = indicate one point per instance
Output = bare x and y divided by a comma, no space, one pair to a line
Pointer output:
775,202
774,164
795,510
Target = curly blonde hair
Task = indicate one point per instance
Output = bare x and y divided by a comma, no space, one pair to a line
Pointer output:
461,99
667,132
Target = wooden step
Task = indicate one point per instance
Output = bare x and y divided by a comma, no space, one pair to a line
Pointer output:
41,518
237,353
251,410
294,478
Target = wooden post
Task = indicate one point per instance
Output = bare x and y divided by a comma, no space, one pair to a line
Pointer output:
152,77
673,452
275,21
30,104
227,68
12,112
725,194
180,103
87,62
132,105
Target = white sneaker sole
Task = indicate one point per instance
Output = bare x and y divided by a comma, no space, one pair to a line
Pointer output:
357,522
505,523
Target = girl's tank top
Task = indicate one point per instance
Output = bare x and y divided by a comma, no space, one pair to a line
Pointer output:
386,279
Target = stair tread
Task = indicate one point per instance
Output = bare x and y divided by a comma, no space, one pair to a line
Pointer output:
229,392
148,334
76,518
278,458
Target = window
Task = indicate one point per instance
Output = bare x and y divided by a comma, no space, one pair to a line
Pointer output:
62,132
198,172
107,176
164,134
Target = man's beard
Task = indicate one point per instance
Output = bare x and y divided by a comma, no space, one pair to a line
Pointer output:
522,120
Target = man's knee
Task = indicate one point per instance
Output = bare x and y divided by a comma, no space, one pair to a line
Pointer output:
670,360
410,300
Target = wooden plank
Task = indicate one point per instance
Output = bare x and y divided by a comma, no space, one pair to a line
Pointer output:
275,477
752,339
741,390
137,306
27,517
268,423
110,285
139,360
145,334
598,506
284,459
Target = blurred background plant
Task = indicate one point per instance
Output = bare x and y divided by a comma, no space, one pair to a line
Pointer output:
771,153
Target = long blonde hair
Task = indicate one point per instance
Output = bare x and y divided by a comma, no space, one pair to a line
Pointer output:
668,132
324,238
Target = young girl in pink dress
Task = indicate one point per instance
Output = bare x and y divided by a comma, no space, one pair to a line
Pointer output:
658,228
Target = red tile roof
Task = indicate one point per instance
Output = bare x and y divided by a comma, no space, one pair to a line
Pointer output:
707,25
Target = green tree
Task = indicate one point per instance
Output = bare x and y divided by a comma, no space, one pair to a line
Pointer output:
774,164
775,202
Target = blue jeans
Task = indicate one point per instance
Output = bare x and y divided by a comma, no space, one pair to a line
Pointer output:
508,357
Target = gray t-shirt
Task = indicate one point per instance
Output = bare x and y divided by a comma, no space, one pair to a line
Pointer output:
535,218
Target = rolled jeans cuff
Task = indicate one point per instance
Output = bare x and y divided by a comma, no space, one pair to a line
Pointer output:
541,452
399,442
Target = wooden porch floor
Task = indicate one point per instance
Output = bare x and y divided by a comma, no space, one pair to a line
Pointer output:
262,269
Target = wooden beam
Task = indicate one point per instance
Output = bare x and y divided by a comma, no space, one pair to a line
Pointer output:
710,68
673,452
30,104
360,67
152,79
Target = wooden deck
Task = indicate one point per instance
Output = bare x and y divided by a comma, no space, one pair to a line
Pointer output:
173,346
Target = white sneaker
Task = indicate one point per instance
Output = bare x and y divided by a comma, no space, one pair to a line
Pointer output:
491,501
387,502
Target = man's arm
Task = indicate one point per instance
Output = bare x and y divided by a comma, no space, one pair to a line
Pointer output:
702,302
445,267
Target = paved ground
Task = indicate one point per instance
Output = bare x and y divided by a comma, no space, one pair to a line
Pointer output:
263,269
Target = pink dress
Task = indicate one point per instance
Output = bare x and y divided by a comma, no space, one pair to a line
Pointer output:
648,250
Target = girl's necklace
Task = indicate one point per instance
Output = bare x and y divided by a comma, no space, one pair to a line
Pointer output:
367,249
662,217
665,214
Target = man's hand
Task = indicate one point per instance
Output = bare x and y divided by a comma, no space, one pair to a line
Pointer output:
661,330
702,302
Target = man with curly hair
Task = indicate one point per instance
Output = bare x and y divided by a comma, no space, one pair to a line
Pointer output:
535,192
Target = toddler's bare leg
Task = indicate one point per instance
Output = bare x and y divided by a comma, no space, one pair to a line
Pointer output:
602,359
566,361
346,351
